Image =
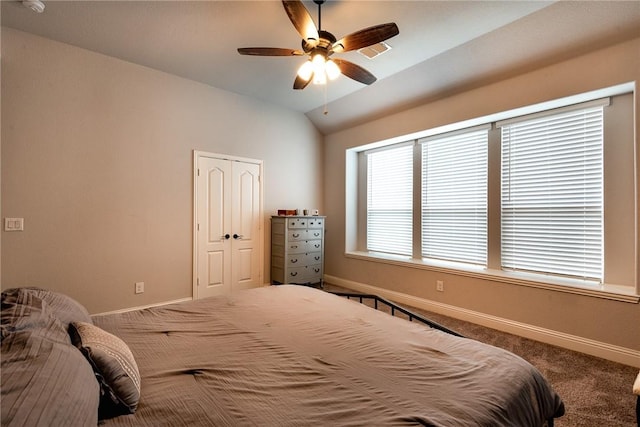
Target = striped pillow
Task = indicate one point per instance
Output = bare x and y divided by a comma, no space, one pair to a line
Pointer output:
113,365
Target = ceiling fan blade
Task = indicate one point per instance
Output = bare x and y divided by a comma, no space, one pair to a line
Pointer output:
299,83
366,37
355,72
269,51
301,20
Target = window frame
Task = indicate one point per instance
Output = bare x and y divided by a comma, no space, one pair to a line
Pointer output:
627,292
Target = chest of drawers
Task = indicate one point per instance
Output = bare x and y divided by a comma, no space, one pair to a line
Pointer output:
297,249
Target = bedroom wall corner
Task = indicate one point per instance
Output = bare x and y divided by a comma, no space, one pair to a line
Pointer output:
103,177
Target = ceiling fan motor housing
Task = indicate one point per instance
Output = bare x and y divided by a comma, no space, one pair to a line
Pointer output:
323,46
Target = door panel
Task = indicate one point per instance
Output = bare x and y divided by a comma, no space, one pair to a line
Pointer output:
228,230
244,265
215,269
246,259
246,192
214,210
216,205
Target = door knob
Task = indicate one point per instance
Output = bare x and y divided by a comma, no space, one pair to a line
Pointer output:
237,236
226,236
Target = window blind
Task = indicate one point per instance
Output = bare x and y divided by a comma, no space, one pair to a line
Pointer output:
389,200
552,194
454,197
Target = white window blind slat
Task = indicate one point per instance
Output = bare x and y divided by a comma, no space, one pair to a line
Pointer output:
552,194
454,197
390,200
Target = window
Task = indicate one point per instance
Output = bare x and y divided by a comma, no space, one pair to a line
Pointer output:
454,197
540,196
552,194
390,199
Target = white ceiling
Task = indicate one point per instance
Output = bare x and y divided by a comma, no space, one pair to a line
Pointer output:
443,46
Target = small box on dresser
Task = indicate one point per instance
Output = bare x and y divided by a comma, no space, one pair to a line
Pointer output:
297,250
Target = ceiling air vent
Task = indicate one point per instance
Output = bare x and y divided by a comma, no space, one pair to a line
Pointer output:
374,50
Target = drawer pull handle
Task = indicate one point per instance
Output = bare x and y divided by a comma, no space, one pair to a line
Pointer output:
296,235
317,246
316,234
294,273
293,261
317,258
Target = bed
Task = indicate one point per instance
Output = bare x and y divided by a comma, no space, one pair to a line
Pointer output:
279,355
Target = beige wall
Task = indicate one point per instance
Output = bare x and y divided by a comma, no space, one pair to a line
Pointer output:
605,321
97,157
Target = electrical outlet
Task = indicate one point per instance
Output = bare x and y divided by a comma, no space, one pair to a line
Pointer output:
139,287
439,286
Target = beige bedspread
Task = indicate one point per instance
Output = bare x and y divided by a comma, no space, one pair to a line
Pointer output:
291,356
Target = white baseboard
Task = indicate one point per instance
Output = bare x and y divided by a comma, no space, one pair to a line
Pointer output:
141,307
603,350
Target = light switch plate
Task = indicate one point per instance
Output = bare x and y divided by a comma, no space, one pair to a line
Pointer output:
13,224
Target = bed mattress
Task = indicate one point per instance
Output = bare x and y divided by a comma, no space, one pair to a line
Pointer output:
291,355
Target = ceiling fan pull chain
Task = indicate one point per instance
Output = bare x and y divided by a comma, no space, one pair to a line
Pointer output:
326,111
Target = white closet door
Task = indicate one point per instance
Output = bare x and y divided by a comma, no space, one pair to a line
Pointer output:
246,258
227,232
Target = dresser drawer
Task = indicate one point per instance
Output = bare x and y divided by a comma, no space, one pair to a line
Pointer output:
315,258
294,235
296,260
299,234
314,245
314,273
315,222
303,259
297,247
296,275
305,274
315,234
304,246
296,223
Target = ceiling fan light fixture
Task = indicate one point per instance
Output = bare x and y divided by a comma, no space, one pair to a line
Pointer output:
319,78
319,72
306,71
332,69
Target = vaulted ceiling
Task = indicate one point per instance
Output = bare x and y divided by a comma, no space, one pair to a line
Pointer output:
443,46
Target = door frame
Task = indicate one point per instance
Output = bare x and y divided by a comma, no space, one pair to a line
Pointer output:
197,154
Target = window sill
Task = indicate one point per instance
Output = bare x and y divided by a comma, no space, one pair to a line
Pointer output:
573,286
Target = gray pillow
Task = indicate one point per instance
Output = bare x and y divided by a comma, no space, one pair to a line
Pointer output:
61,306
114,366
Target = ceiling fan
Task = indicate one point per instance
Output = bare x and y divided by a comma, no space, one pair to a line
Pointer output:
320,45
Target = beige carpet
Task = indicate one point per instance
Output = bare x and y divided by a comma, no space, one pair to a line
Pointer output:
596,392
